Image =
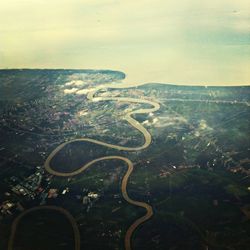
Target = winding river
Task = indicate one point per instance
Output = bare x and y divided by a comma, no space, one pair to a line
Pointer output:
147,141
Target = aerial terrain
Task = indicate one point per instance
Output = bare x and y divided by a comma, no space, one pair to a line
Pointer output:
90,162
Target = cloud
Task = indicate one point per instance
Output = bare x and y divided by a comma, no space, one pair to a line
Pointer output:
70,91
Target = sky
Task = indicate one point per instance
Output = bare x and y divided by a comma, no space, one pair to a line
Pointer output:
169,41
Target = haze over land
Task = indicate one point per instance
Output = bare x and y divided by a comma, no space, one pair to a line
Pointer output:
181,42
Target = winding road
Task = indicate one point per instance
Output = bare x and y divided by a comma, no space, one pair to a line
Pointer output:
147,141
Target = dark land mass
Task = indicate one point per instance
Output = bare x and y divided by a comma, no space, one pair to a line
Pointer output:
195,174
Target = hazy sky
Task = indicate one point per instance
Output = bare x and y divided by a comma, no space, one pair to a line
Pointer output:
172,41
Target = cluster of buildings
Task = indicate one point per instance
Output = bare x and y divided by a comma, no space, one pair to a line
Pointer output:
30,186
36,190
23,191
